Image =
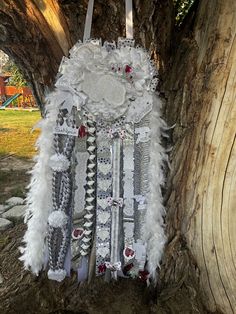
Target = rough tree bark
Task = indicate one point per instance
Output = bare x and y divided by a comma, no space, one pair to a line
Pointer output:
201,85
197,66
37,33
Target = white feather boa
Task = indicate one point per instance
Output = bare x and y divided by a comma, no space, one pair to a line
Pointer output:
154,232
39,199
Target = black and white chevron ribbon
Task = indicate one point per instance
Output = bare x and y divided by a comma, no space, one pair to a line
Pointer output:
90,190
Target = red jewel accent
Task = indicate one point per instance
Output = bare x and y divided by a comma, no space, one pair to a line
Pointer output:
82,131
129,252
143,275
128,69
77,233
127,268
101,268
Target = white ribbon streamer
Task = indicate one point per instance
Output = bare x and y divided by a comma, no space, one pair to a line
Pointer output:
88,21
128,19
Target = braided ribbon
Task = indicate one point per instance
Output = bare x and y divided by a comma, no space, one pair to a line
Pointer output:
59,233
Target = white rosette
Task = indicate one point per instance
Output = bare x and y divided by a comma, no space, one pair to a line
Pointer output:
57,275
59,162
57,219
111,79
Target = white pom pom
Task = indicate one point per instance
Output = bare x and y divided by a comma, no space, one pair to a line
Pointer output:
57,219
59,162
58,274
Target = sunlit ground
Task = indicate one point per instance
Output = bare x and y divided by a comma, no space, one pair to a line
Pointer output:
16,136
16,151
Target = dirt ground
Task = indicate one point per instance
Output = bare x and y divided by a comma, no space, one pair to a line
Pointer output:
21,292
14,176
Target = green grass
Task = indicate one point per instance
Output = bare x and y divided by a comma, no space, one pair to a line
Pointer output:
16,136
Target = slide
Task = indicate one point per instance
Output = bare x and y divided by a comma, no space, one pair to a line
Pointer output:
9,100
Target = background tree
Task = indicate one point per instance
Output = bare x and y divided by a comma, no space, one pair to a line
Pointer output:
181,9
197,63
17,78
3,60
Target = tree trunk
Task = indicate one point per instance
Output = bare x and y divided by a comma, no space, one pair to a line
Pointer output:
197,66
202,197
38,33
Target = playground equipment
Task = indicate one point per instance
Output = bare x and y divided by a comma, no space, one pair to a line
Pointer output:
9,101
8,94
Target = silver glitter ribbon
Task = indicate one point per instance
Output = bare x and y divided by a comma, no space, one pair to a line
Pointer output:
128,187
141,186
115,210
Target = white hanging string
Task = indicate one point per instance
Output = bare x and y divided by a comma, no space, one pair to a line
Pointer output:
128,19
88,21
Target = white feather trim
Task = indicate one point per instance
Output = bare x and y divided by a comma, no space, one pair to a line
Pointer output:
154,224
39,199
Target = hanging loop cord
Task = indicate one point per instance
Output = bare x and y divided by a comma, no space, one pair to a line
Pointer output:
128,19
88,21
